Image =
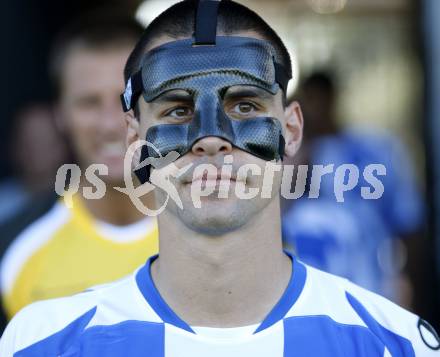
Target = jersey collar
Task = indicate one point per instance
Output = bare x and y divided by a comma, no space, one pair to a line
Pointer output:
152,296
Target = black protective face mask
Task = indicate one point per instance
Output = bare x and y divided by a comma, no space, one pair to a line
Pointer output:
206,72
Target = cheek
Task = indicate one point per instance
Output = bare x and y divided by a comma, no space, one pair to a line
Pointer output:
278,177
142,132
83,130
279,114
83,122
147,118
144,125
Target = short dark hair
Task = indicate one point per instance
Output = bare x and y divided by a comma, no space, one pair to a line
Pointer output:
178,21
97,30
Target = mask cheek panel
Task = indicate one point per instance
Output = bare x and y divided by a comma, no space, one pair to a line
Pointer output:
261,137
167,138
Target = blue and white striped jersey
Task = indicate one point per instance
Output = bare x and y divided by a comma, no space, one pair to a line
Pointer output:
318,315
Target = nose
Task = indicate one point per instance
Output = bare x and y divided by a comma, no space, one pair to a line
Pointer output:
112,121
211,145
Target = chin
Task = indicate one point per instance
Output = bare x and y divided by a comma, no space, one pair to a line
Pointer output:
214,226
216,217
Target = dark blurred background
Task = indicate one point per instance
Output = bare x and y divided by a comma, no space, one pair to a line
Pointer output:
384,55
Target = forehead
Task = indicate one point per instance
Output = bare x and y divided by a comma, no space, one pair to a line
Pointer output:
87,66
234,60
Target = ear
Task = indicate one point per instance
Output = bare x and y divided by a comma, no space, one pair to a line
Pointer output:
294,128
132,128
132,135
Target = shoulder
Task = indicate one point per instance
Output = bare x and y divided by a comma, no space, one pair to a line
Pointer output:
51,323
29,241
35,209
346,304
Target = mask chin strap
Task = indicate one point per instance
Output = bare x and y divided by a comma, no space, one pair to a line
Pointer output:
206,23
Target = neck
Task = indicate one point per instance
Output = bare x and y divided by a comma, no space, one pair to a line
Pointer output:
115,208
223,281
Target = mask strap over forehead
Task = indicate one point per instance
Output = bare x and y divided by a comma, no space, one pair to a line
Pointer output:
206,33
206,22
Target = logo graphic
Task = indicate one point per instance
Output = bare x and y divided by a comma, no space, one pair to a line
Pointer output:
160,178
429,335
208,180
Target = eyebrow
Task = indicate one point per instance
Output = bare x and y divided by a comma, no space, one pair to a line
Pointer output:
174,96
247,92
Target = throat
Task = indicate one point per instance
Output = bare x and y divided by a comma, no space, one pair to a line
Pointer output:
240,291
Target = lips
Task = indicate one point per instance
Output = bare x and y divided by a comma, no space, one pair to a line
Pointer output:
210,179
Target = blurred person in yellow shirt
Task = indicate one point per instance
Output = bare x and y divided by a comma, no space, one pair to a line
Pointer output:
91,242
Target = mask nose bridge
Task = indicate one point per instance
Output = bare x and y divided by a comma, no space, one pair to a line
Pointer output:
210,118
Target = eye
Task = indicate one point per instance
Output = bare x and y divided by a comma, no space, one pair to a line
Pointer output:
180,113
88,101
244,108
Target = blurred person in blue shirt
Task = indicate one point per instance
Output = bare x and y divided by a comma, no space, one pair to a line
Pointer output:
359,238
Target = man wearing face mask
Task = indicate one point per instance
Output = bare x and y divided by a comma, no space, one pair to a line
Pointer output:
214,93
